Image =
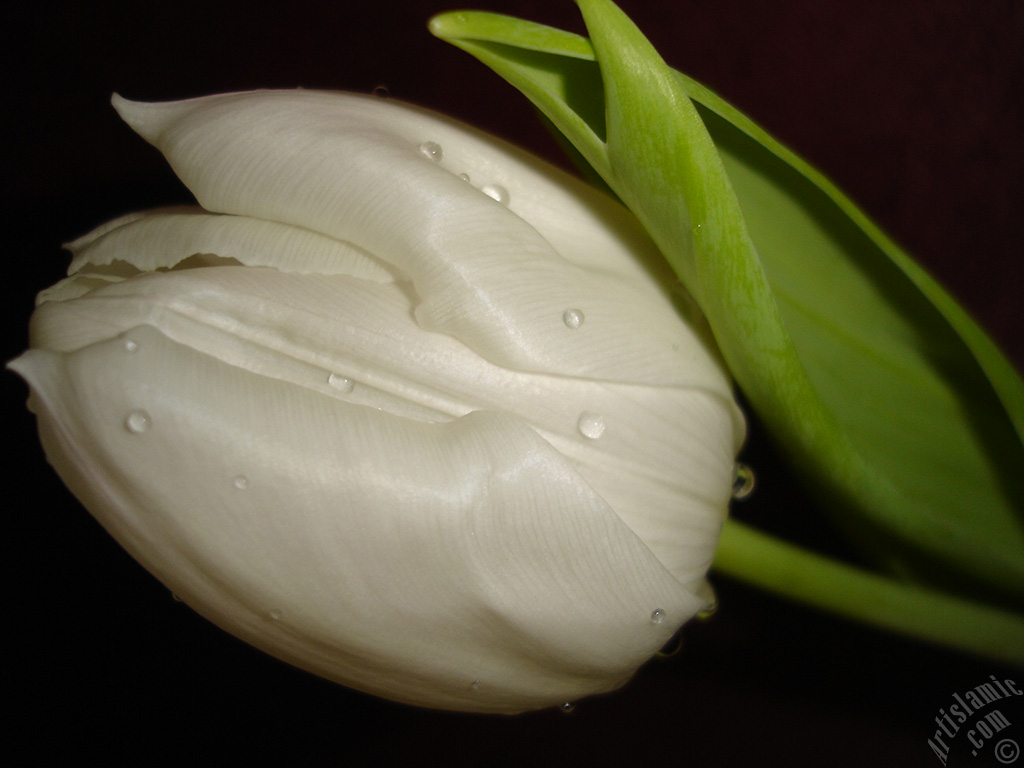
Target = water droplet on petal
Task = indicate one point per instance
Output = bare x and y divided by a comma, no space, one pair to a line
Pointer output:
568,707
573,318
657,616
131,345
672,647
591,425
137,422
707,611
742,481
464,176
496,192
275,614
381,91
475,685
176,598
241,482
432,150
341,383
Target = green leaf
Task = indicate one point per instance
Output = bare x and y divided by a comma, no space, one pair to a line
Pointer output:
902,414
775,565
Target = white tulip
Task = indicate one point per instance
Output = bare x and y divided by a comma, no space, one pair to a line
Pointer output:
400,404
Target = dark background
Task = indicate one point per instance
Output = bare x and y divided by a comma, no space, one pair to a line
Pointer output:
912,107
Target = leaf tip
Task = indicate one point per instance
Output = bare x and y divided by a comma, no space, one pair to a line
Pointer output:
451,25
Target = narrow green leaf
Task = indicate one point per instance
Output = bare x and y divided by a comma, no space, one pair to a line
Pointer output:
553,69
896,406
928,615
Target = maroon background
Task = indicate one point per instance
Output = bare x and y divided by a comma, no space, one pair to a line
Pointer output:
912,107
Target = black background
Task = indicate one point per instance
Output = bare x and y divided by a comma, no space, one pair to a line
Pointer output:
911,107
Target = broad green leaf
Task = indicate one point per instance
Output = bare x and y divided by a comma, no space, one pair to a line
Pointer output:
898,409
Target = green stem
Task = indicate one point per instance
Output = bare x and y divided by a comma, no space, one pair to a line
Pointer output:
788,570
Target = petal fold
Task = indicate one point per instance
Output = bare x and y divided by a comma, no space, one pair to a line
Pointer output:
162,239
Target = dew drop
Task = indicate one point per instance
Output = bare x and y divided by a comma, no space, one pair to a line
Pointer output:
275,614
381,91
742,481
432,150
137,422
707,611
568,707
591,425
475,685
573,318
464,176
496,192
241,482
131,345
341,383
657,616
672,647
176,599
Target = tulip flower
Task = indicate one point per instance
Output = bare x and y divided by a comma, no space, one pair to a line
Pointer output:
399,404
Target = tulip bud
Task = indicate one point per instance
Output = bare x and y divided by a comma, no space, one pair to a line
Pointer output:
399,404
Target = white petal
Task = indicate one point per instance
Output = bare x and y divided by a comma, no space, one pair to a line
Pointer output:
350,167
162,239
462,565
663,459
